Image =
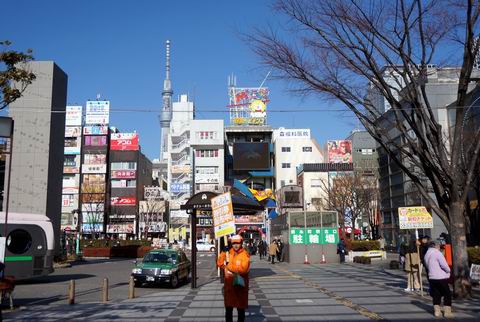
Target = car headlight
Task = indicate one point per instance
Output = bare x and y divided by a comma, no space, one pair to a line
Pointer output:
137,271
165,272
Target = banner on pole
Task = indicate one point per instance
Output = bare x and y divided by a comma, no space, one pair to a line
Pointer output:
222,213
414,218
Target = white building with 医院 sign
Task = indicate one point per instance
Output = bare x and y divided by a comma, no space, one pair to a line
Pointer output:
293,147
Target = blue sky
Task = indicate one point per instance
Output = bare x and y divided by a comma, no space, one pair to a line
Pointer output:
116,48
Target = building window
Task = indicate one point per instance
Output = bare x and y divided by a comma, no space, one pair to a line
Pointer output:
124,166
206,135
206,153
285,149
282,183
124,183
285,165
307,149
315,183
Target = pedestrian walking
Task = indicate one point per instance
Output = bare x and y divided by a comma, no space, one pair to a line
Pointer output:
341,250
438,275
412,266
236,265
272,250
261,246
279,250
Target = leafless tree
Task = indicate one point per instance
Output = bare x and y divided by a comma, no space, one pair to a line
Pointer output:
339,48
151,210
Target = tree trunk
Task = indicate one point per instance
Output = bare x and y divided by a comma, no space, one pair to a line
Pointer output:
461,287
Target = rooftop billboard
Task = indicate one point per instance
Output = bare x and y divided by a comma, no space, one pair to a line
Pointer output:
339,151
124,142
97,112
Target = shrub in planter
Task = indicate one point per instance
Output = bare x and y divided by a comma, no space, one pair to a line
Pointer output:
474,255
364,245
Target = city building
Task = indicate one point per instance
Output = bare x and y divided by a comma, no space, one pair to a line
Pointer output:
396,189
180,165
38,140
293,147
364,153
130,172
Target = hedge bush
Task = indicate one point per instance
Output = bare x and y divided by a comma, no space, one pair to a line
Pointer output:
99,243
364,245
131,251
474,255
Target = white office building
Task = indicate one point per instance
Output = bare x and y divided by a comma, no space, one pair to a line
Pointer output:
207,143
293,147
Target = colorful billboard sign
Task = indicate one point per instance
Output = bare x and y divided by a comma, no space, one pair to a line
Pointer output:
97,112
339,151
94,168
414,218
222,213
124,228
124,141
177,187
73,131
69,203
95,130
92,228
124,174
94,207
248,106
73,115
95,159
123,201
72,146
71,164
250,219
91,140
313,235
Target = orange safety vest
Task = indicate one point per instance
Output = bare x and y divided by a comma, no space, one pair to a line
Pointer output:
239,262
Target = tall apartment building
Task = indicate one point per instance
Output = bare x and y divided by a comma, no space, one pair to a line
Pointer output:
36,177
293,147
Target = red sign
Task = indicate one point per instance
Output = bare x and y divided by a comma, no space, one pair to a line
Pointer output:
123,174
124,141
123,201
339,151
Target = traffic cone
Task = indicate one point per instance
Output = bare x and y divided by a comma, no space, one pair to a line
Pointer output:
324,261
306,260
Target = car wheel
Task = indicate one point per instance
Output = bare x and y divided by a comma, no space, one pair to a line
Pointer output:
174,281
138,284
212,249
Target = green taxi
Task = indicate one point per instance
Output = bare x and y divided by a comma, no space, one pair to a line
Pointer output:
162,266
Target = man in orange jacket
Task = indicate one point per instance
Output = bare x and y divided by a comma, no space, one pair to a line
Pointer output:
236,261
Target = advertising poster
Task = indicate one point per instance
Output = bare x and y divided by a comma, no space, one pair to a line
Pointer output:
339,151
95,130
69,202
73,115
124,142
97,112
123,201
125,228
71,164
91,140
73,131
414,218
70,184
124,174
249,219
95,159
72,146
92,228
154,193
222,213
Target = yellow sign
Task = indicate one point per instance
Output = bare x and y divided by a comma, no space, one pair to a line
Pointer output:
222,213
262,194
414,218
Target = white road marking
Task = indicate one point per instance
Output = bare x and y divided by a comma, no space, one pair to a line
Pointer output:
304,301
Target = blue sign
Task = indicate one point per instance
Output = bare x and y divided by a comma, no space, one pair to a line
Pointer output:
177,187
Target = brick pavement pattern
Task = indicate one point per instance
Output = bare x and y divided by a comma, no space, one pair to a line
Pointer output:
280,292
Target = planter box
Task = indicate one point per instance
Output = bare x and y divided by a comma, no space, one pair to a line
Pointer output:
373,254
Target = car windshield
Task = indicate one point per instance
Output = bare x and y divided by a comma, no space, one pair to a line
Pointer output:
159,258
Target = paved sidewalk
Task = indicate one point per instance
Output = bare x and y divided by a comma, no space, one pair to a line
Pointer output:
280,292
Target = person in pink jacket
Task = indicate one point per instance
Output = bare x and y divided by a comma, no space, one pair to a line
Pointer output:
438,274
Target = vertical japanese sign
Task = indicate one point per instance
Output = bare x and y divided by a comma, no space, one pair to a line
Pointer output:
222,213
312,236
